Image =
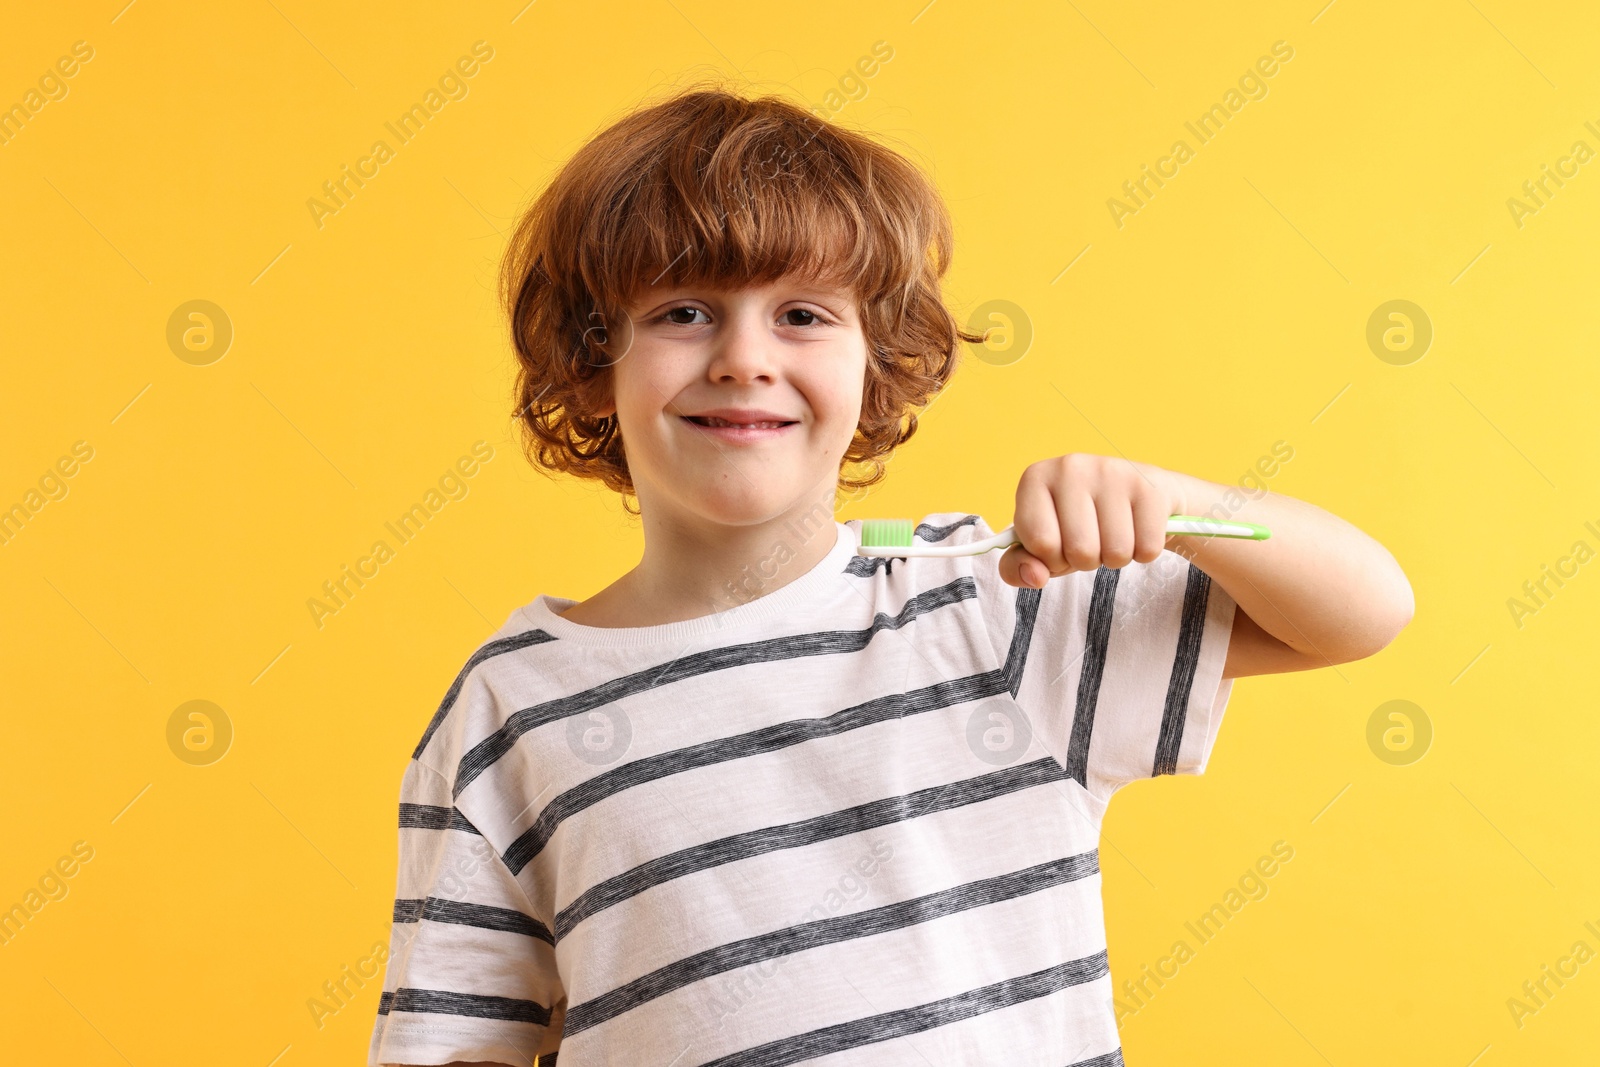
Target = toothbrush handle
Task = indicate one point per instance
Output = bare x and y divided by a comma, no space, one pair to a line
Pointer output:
1187,525
1191,525
1198,526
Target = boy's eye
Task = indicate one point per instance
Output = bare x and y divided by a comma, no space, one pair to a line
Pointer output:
806,317
693,311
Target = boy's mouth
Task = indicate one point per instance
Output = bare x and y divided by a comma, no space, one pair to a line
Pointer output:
711,420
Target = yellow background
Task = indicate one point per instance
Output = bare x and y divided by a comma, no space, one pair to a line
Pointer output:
1228,314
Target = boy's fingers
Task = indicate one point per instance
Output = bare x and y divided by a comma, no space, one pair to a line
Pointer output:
1018,567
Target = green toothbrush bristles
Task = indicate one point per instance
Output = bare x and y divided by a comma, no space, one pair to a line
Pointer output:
886,533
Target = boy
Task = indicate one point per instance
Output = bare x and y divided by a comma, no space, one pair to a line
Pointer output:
762,801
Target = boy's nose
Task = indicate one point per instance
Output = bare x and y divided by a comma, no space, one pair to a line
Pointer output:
743,351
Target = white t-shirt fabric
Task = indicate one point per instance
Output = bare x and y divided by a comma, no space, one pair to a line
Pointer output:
852,821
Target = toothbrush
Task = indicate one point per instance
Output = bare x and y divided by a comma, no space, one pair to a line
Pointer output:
894,537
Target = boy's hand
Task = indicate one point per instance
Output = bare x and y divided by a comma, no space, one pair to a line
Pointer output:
1079,512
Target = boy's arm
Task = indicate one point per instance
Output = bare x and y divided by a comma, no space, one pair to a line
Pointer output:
1315,593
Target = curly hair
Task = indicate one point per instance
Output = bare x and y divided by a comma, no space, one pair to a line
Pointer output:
712,188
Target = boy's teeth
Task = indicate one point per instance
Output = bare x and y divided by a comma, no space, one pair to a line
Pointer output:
711,420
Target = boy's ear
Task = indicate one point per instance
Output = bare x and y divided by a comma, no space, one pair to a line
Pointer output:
597,400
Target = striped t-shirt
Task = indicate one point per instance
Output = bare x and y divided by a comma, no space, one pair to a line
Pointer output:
852,821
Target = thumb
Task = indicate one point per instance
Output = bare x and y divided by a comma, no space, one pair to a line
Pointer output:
1020,568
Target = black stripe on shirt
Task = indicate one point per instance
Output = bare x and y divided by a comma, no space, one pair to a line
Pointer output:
929,532
841,1037
824,643
942,694
804,936
1102,605
434,817
1110,1059
1027,610
488,651
462,913
477,1006
772,738
801,832
1190,631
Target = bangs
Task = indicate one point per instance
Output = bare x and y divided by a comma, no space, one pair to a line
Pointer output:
728,204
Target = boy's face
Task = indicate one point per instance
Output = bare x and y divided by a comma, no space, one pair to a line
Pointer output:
792,349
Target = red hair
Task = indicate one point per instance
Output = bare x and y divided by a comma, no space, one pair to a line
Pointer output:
711,188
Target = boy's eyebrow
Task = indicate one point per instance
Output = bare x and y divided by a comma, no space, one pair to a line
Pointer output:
840,290
826,294
829,287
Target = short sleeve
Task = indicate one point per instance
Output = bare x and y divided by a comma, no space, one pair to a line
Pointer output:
471,972
1119,671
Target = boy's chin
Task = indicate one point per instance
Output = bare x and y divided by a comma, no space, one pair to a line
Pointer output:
747,506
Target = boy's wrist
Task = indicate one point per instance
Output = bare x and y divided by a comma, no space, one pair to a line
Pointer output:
1185,493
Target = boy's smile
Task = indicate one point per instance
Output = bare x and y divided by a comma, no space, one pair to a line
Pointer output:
741,424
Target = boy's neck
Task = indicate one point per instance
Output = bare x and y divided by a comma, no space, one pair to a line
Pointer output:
691,569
